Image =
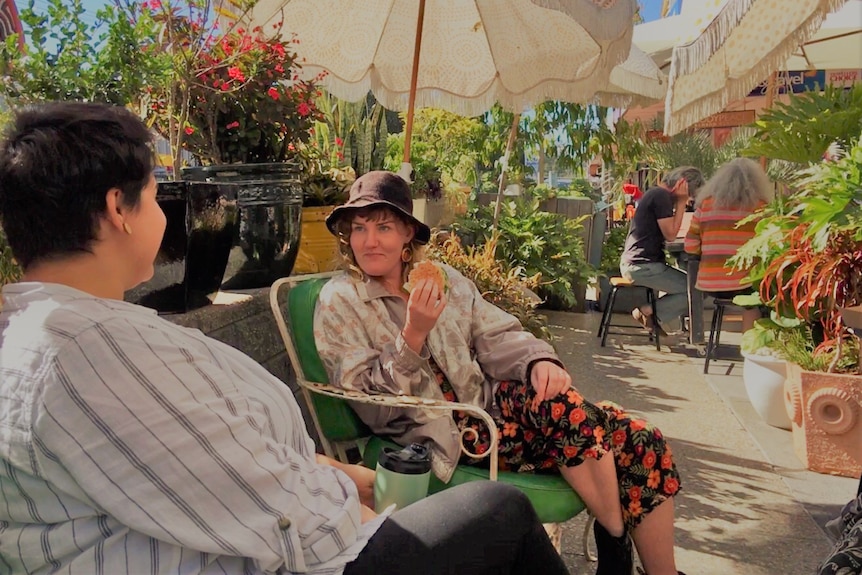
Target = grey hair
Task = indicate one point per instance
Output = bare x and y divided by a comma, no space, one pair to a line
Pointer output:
690,174
739,184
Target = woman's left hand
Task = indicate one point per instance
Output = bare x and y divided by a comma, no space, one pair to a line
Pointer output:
549,380
361,476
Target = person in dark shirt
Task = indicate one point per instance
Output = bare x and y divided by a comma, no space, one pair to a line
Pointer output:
657,220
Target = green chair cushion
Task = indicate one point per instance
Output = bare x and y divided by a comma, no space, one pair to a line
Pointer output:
552,498
337,419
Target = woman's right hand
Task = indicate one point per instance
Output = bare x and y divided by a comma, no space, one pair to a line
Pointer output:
424,306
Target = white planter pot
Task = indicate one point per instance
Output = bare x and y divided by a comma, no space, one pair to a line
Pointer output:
764,382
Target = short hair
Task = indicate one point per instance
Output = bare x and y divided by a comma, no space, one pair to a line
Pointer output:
690,174
739,184
57,162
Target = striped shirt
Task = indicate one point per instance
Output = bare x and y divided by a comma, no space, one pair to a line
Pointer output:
131,445
713,236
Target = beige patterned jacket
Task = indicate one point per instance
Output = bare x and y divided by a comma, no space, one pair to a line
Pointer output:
357,328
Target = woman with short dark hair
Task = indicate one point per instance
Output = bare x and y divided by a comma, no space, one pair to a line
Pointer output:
129,444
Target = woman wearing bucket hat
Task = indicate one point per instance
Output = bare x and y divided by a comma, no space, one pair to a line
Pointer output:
374,336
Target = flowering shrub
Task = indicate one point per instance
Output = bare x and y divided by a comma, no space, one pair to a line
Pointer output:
228,96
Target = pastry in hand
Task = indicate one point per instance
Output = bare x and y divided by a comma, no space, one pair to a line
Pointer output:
427,269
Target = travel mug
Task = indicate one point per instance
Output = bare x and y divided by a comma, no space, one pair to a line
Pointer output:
401,476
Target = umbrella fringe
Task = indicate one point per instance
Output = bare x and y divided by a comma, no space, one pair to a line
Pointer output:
652,88
681,116
477,105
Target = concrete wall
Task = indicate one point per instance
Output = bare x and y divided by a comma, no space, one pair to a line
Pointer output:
250,327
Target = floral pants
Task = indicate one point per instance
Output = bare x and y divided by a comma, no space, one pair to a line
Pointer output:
567,429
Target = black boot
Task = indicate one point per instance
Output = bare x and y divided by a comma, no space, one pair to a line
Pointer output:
615,553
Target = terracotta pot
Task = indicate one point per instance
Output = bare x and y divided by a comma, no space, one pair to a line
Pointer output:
824,409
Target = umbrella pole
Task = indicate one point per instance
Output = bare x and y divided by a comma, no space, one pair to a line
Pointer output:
414,74
770,97
510,143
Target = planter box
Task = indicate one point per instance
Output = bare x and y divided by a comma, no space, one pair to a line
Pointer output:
318,249
824,410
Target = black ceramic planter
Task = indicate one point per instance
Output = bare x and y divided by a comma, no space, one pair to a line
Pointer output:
269,212
202,221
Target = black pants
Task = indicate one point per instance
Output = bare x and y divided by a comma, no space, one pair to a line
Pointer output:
481,527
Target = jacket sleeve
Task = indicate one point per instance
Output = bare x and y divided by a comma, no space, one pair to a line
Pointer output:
504,349
693,238
351,359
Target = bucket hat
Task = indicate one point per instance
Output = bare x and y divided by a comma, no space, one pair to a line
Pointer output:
380,188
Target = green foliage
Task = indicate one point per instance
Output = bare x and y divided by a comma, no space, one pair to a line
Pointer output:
685,149
10,271
506,287
323,185
800,346
351,133
612,250
802,129
537,241
66,60
806,255
445,148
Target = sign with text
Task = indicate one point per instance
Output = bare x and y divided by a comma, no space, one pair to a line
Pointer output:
799,81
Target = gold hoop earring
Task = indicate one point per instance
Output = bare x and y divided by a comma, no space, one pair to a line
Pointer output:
127,228
406,255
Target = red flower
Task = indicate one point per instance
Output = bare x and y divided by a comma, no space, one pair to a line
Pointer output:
273,93
649,459
671,485
557,410
190,130
338,141
303,109
618,437
232,125
234,73
576,416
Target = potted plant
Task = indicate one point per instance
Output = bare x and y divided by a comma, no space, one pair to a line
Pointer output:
807,261
764,369
231,99
324,187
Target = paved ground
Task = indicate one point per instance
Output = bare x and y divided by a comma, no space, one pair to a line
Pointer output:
748,506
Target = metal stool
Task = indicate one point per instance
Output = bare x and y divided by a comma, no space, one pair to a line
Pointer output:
719,304
618,283
715,330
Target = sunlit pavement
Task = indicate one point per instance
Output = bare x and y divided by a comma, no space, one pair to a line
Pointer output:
748,505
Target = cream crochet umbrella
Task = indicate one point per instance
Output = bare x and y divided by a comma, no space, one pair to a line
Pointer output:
636,82
739,44
467,55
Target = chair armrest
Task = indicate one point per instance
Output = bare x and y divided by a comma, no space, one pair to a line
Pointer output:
391,400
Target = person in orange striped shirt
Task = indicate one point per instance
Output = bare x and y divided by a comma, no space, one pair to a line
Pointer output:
736,190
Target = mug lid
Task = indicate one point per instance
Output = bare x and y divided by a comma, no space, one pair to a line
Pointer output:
415,459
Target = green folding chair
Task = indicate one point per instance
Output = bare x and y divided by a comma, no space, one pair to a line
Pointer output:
293,300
